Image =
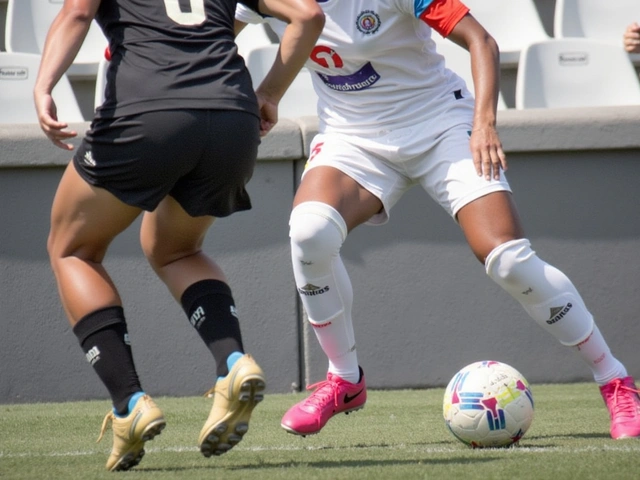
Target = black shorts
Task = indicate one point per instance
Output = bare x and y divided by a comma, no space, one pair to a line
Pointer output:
202,158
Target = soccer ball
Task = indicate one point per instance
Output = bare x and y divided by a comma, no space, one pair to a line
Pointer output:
488,404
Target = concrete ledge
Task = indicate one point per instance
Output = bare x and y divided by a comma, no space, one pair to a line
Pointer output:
25,145
535,130
539,130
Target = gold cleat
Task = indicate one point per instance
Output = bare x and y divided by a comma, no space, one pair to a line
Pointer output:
143,423
234,398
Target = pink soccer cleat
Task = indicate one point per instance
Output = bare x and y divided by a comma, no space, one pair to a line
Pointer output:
332,396
621,397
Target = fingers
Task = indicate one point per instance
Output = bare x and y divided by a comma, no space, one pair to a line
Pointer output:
57,133
488,156
490,163
268,114
631,38
265,127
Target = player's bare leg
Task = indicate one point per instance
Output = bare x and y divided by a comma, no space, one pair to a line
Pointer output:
84,221
172,241
493,230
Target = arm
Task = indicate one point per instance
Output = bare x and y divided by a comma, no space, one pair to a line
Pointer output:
63,41
486,147
305,21
631,38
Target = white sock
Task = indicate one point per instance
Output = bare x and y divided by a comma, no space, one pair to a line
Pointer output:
596,354
550,298
317,232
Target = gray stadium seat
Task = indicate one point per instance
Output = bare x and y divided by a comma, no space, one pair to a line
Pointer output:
595,20
27,25
575,72
18,72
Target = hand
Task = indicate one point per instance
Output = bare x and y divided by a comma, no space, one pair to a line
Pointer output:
48,118
268,114
631,38
488,156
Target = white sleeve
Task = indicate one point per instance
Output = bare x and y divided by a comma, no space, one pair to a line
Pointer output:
246,15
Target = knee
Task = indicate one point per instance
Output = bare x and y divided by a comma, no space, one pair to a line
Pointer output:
316,230
505,261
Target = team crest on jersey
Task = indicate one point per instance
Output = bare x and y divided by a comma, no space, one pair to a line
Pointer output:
368,22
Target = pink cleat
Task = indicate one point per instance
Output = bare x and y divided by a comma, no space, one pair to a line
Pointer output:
332,396
621,397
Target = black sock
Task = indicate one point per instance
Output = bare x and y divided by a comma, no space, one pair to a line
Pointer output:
105,342
211,310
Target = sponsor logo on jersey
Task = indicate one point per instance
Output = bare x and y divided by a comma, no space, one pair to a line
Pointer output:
311,290
234,312
368,22
93,355
558,312
361,80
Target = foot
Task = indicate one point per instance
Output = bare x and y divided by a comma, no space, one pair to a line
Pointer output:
234,398
621,397
331,397
143,423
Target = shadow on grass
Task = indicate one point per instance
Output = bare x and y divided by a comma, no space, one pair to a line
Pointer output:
587,436
329,464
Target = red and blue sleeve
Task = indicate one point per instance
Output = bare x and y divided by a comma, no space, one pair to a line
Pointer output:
441,15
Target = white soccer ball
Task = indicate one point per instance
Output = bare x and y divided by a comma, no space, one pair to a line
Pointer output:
488,404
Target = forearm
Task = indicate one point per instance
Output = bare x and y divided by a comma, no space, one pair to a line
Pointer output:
64,39
485,68
299,38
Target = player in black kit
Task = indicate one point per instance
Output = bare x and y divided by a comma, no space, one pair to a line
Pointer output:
176,137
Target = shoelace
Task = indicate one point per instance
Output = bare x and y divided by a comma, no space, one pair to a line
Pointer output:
623,402
108,416
324,391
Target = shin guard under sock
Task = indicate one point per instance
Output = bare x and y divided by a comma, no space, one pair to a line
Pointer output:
211,310
104,339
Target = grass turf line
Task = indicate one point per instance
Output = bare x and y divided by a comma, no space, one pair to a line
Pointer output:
400,434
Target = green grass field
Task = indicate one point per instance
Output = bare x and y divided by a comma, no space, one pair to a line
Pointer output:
400,434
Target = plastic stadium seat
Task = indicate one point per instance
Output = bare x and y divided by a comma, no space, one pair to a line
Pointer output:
252,36
459,60
575,72
601,21
18,72
300,99
27,25
513,23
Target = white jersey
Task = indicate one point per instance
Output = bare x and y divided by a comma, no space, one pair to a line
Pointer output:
376,66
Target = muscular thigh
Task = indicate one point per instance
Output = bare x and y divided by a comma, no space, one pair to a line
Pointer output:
490,221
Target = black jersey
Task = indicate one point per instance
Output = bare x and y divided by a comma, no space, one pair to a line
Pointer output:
168,54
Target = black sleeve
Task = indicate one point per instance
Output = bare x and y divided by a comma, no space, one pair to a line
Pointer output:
252,4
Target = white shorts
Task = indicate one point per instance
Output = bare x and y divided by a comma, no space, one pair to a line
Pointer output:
434,154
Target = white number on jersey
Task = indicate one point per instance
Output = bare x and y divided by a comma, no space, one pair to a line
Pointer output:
195,17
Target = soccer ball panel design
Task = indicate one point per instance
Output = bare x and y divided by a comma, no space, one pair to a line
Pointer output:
488,404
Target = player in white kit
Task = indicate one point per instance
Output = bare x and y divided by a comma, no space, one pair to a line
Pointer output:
392,116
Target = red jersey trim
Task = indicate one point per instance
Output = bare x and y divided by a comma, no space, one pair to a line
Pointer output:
443,15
